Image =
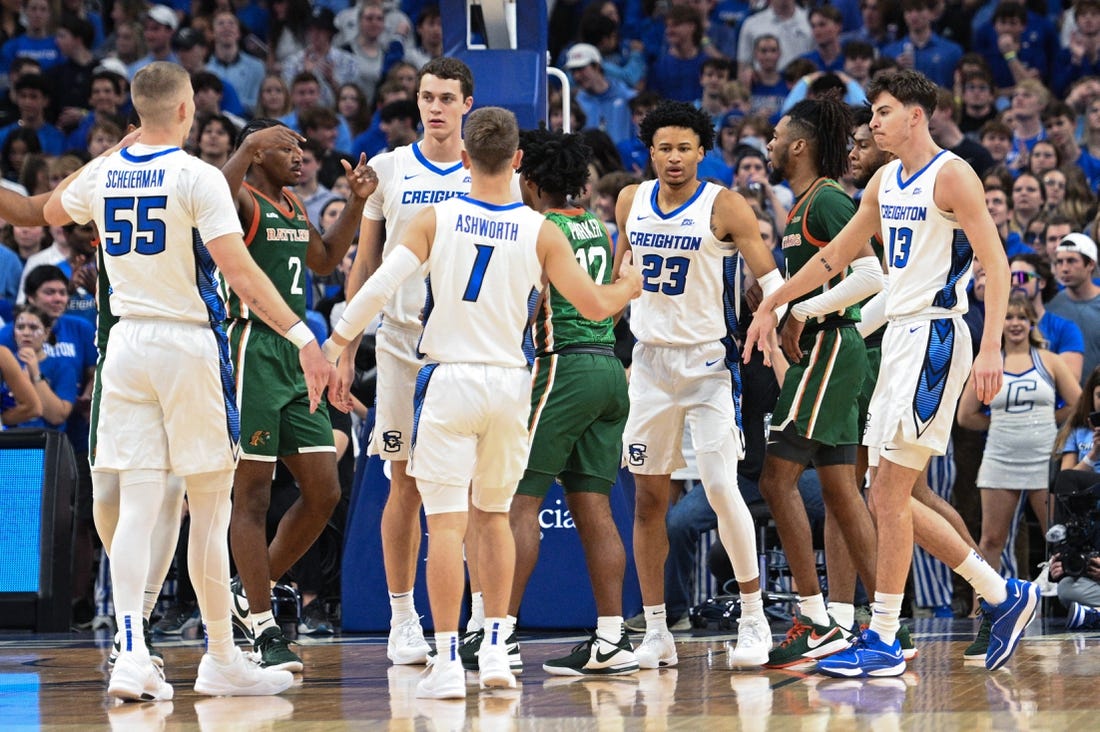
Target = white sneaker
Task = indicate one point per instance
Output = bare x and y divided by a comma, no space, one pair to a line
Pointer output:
148,717
218,714
136,678
443,681
754,642
657,649
494,667
406,644
240,677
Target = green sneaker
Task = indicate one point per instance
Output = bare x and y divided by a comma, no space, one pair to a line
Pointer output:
905,639
273,651
154,653
468,646
470,643
976,650
596,657
807,642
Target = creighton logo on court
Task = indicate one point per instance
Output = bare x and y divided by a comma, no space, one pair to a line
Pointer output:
636,453
259,438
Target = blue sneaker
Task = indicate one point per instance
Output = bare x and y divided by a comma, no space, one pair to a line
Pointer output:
1081,617
867,656
1010,618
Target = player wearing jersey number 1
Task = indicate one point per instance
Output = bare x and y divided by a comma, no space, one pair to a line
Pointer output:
487,255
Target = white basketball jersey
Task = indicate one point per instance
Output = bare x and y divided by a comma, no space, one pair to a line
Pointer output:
686,275
408,182
926,250
155,206
483,279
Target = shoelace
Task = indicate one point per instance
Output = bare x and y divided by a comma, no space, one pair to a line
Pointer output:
797,630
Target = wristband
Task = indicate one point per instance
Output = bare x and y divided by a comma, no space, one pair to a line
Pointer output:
1087,461
299,334
332,351
1010,56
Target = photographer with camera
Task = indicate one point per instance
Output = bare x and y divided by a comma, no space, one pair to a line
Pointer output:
1075,563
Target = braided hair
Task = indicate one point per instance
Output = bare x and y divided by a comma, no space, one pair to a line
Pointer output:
827,125
554,161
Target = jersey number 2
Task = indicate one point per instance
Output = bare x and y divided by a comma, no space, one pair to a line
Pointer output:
129,224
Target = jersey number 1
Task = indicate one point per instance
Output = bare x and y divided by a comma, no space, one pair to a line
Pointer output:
477,273
129,224
901,238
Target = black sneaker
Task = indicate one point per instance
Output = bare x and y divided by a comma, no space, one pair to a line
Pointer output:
273,651
315,620
177,619
596,657
154,653
468,646
976,651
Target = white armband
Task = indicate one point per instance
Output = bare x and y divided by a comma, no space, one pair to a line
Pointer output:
299,334
376,292
864,280
872,315
331,350
769,283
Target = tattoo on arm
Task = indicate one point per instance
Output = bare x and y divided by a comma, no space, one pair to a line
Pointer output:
714,230
826,265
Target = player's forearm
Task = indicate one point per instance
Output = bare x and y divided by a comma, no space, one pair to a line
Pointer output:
337,240
257,291
374,295
996,305
611,300
864,280
20,210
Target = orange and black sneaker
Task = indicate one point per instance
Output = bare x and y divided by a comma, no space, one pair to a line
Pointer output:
807,642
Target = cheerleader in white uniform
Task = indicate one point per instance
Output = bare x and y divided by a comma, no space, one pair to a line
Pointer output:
1022,423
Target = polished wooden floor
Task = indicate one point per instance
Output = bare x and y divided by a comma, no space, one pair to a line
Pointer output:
1052,683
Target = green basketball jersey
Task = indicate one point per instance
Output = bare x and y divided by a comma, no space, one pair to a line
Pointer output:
557,323
277,238
105,319
817,216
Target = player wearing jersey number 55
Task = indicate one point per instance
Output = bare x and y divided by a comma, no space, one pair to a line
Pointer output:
928,205
271,393
687,235
487,256
166,220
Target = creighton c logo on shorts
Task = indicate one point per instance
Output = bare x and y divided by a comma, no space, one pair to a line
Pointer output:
636,453
391,441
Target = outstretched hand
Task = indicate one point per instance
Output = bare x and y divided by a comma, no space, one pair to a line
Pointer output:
762,332
363,180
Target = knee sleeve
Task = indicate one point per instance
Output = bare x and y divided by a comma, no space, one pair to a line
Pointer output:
440,498
167,531
718,472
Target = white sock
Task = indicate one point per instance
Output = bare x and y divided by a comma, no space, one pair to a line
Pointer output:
813,607
152,593
983,578
446,647
844,613
751,604
497,631
609,628
655,617
401,607
261,622
133,639
477,619
886,616
219,640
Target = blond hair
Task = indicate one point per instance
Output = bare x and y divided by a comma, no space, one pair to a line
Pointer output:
491,135
157,89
